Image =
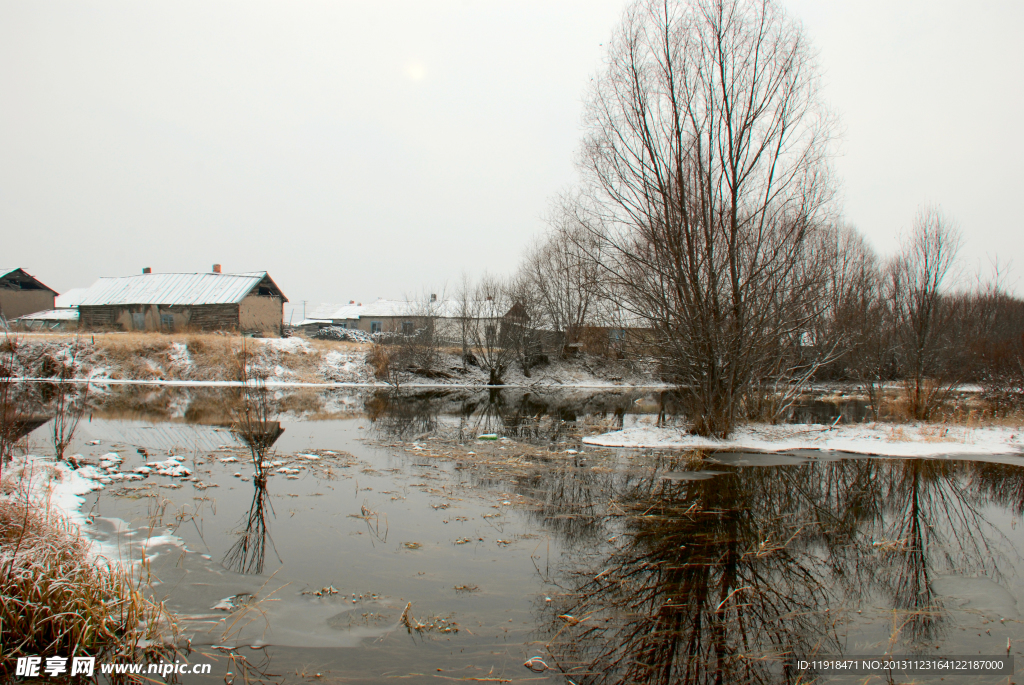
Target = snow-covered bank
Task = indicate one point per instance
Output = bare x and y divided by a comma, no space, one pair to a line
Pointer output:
50,485
58,488
878,439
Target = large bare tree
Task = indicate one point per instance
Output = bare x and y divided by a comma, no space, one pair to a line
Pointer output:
706,162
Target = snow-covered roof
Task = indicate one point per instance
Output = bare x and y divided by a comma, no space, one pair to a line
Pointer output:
173,289
336,312
444,309
71,298
51,315
4,272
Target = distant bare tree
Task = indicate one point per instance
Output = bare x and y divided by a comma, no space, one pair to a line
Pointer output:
707,168
925,320
465,313
485,314
564,271
999,345
519,325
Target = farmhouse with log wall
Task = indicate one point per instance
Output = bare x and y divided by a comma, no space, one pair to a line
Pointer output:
247,302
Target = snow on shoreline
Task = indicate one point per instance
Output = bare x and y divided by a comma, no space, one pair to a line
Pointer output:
874,439
52,485
56,487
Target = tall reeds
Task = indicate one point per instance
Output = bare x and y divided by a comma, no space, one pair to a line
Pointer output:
57,600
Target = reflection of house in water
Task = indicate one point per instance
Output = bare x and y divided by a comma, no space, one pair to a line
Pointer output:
260,434
169,437
22,426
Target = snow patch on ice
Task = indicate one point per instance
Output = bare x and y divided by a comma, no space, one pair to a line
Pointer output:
889,440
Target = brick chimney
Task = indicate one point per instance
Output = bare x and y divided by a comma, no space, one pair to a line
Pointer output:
146,270
216,268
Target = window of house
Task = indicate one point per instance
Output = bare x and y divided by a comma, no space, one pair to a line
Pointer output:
376,327
167,322
407,328
489,332
139,321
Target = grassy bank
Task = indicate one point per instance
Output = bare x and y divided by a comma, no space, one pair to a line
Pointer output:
191,356
55,599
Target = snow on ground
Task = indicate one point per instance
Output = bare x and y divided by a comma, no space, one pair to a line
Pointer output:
179,355
345,367
291,345
879,439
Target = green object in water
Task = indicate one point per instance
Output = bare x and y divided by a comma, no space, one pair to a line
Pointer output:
487,436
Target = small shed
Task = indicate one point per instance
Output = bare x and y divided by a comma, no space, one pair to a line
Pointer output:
21,294
249,303
60,319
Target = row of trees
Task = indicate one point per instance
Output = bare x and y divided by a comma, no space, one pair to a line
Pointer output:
706,214
705,218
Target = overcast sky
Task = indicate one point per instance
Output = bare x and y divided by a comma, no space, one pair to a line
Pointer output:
374,149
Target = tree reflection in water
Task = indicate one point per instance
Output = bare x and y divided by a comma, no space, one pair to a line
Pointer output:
712,584
724,579
248,553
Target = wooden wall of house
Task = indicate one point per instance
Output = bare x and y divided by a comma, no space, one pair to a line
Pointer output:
207,317
15,303
261,314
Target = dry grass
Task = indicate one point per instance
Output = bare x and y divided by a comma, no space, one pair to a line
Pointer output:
55,599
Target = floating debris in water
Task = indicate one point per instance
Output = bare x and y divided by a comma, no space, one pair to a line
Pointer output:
536,664
230,604
326,591
412,545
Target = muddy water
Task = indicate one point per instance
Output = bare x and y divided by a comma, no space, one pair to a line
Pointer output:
608,566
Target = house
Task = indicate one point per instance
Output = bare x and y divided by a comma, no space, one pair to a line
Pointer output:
445,319
249,303
21,293
331,315
395,316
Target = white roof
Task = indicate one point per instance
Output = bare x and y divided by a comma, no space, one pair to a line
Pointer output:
172,289
71,298
335,312
444,309
51,315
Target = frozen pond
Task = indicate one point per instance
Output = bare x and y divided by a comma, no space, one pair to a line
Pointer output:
605,565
